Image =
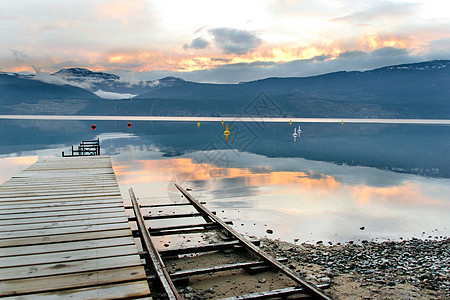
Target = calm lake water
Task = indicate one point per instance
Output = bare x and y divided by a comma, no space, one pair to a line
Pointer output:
391,179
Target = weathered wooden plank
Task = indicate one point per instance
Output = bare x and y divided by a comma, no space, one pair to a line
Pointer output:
58,186
183,231
59,218
92,278
66,256
64,237
198,248
60,224
176,227
52,208
56,197
173,216
62,230
64,233
15,206
126,290
58,192
63,213
12,202
65,246
68,267
47,181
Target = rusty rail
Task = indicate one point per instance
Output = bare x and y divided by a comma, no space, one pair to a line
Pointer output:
231,240
158,264
309,287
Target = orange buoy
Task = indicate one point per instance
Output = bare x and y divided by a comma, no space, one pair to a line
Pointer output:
198,124
93,126
226,133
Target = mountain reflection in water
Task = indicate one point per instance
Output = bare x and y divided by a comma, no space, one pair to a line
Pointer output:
326,186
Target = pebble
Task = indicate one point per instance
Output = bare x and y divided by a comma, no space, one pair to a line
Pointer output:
423,263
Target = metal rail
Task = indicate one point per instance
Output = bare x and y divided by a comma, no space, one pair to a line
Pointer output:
231,239
158,264
310,288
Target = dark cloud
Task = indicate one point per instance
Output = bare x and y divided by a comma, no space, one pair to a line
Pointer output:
221,59
197,43
389,51
322,57
346,61
234,41
350,54
20,56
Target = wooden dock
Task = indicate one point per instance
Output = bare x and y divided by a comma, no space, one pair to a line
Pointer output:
64,234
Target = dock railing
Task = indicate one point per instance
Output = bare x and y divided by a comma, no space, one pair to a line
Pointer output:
86,148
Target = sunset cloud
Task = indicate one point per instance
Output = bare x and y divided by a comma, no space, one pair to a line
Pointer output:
209,40
197,43
234,41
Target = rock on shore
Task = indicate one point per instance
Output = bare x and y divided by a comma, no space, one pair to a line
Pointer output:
409,269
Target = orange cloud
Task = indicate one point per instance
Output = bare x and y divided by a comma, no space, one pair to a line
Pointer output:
181,62
166,170
374,41
148,171
406,193
125,11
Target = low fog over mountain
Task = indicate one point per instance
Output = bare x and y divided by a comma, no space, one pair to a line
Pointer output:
418,90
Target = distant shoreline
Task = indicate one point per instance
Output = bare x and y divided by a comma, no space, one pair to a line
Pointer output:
226,119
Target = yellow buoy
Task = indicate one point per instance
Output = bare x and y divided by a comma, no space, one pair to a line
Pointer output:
342,123
290,122
222,122
226,133
198,124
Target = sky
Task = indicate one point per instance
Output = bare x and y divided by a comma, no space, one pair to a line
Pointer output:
220,41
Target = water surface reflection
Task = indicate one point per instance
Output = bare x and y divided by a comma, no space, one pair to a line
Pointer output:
317,201
332,181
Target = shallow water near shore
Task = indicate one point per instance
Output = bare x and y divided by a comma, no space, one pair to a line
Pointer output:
334,183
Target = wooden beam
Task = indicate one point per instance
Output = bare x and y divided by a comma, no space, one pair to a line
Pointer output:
308,286
221,268
272,293
200,248
174,216
16,287
176,227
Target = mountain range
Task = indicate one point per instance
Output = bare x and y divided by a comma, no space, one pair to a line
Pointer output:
418,90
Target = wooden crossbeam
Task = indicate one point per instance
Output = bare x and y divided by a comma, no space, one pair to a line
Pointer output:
221,268
202,248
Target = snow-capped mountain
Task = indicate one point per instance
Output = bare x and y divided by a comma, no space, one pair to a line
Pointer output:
107,85
81,74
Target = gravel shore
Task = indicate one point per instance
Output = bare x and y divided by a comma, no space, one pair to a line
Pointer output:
409,269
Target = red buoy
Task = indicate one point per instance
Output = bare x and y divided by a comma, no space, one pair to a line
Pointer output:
93,126
129,124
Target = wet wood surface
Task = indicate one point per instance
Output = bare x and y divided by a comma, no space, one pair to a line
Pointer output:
64,233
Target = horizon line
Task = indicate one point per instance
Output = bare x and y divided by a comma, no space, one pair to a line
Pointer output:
227,119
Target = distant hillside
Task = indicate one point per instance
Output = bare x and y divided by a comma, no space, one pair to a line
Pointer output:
412,90
21,95
418,90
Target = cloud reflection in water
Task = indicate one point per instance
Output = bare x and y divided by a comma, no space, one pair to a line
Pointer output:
303,199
